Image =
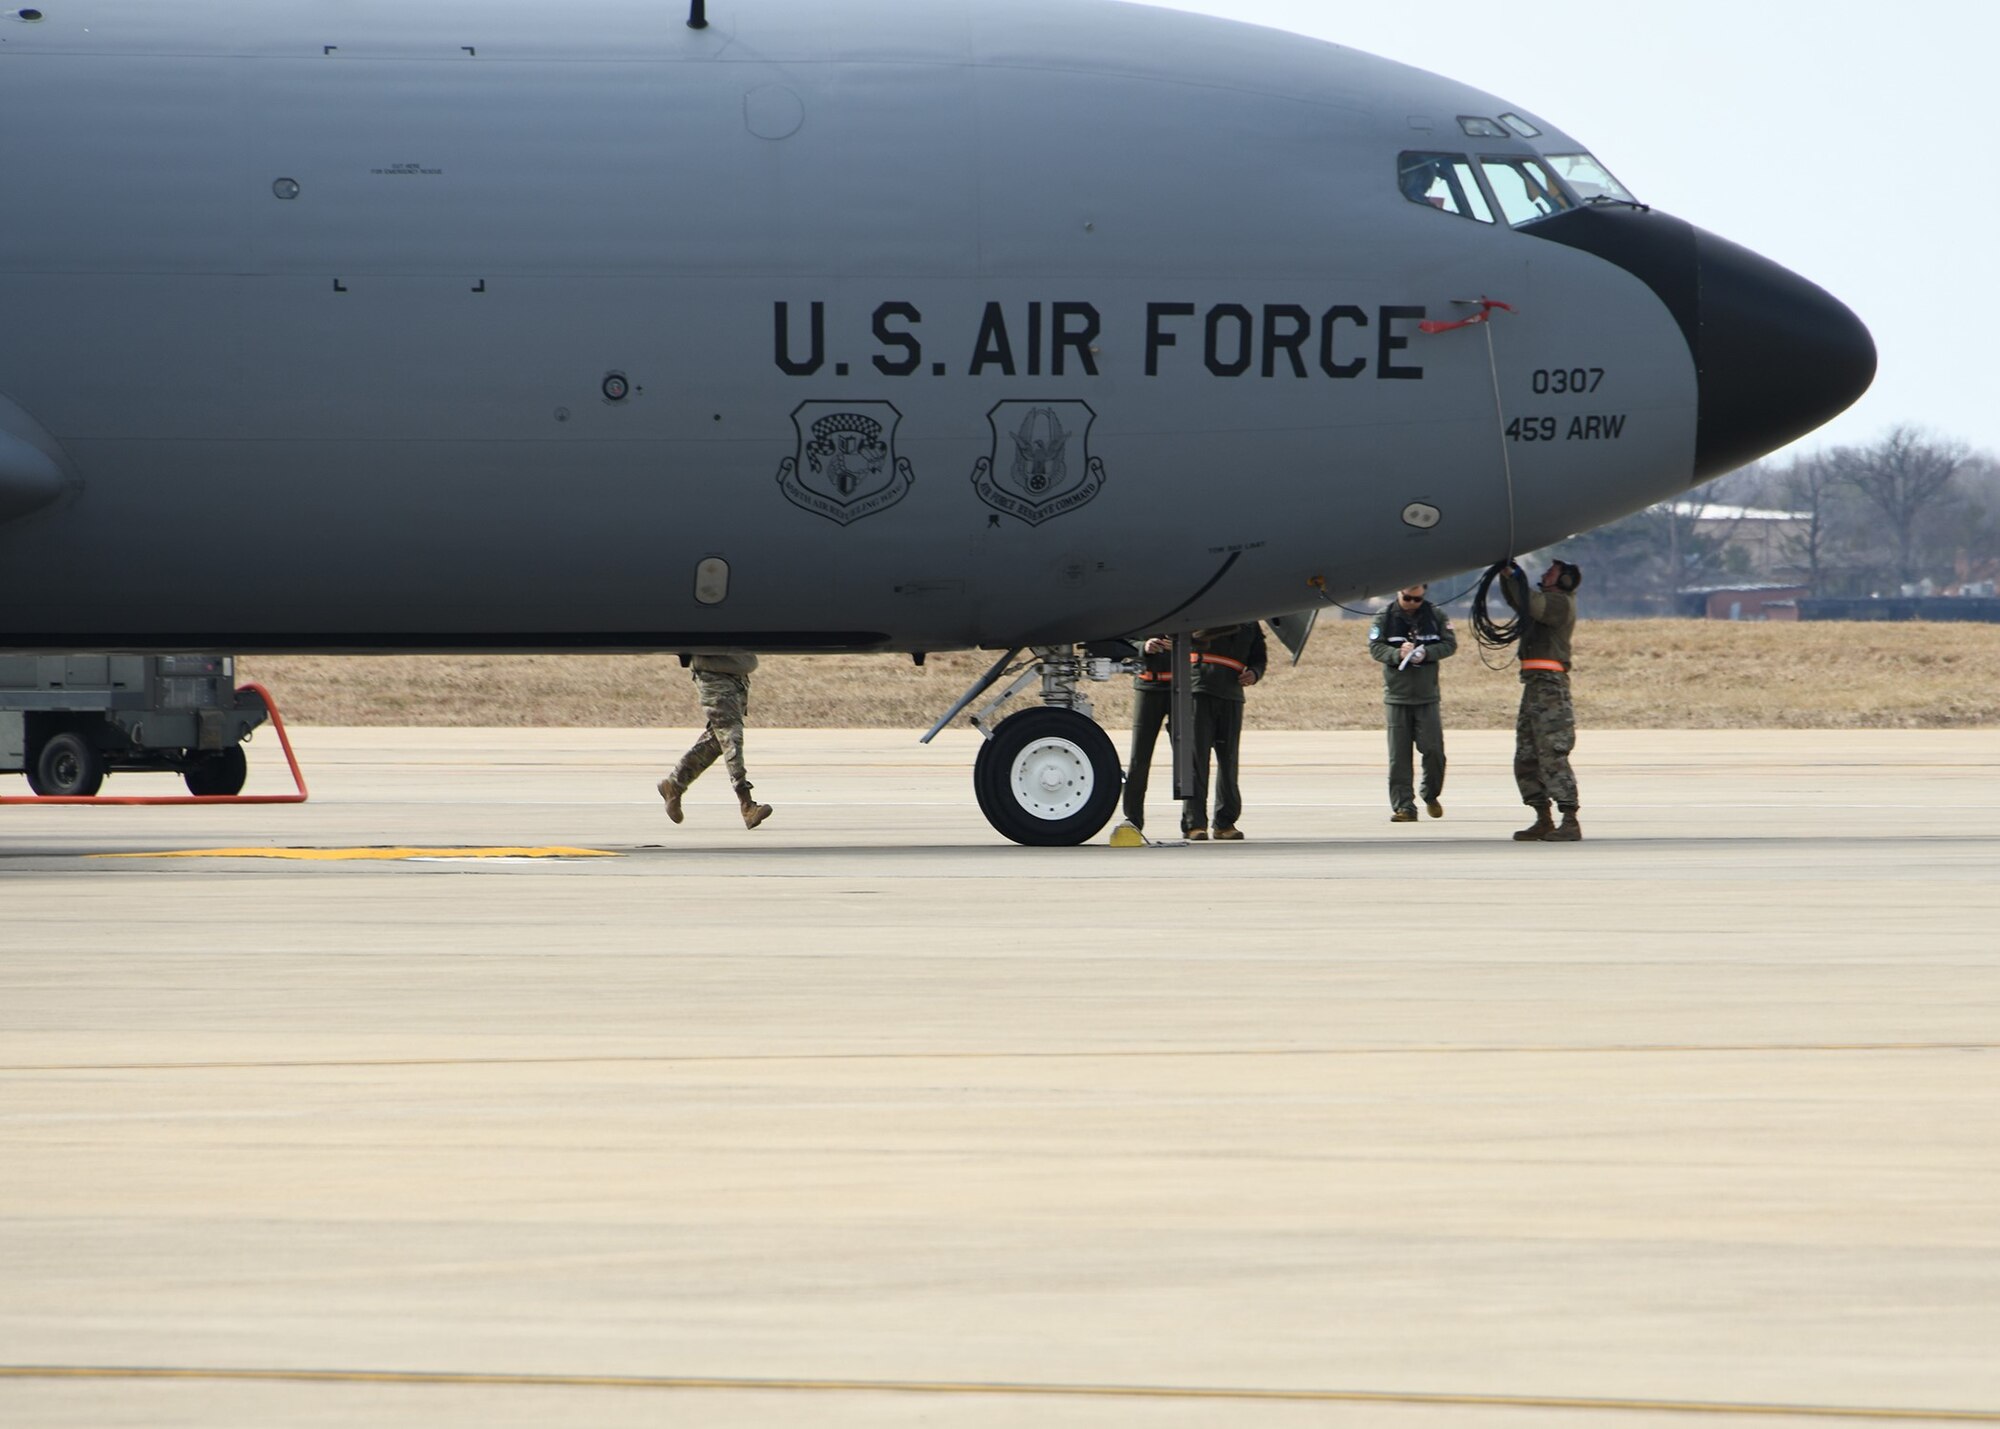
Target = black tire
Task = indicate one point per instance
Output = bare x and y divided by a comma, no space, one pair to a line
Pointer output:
1048,778
218,774
981,779
67,768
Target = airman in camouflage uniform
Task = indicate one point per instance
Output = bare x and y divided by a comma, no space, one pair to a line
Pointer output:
723,684
1545,730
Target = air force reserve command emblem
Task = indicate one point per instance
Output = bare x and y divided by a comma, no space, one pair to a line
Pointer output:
1041,464
846,465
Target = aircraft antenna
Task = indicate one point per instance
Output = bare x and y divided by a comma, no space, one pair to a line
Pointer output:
698,14
1500,415
1482,318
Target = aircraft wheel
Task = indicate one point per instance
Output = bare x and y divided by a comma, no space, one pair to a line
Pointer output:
218,774
1047,777
67,768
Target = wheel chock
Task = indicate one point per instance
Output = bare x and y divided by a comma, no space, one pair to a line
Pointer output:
1126,836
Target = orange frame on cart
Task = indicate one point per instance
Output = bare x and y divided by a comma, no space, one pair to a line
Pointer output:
277,723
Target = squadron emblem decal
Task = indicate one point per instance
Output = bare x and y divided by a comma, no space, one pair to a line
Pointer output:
1041,464
846,465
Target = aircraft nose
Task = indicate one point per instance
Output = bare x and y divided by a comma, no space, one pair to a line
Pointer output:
1775,356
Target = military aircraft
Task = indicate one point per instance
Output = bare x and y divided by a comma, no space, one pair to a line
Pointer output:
820,325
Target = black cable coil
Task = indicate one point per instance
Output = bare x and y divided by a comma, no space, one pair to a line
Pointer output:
1493,634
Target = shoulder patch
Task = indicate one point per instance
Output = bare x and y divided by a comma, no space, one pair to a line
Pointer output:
1374,632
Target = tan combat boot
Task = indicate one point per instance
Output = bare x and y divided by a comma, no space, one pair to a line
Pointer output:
1570,832
754,813
1542,828
671,792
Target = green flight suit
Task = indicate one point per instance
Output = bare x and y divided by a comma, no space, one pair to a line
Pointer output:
1221,656
1411,704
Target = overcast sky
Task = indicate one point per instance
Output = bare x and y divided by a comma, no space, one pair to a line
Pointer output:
1851,143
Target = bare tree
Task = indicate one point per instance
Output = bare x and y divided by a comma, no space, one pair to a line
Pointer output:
1695,542
1902,476
1810,488
1638,565
1976,535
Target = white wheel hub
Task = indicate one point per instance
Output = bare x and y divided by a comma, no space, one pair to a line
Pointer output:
1052,779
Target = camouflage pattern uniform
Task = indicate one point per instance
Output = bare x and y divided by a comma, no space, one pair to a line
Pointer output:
723,684
1221,655
1544,735
1545,730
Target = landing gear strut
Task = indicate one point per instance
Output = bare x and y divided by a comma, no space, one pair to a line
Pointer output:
1049,776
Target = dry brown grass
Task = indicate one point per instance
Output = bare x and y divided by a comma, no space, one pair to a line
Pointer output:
1632,674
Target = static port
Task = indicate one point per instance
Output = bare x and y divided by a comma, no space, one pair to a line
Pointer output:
711,580
616,388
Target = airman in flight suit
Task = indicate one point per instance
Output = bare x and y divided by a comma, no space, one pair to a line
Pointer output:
1227,660
1408,639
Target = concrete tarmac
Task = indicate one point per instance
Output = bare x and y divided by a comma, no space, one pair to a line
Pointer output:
871,1118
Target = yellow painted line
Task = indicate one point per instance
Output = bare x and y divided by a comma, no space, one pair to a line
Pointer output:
350,855
1063,1391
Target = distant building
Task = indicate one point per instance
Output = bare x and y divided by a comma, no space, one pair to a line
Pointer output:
1741,602
1903,607
1764,537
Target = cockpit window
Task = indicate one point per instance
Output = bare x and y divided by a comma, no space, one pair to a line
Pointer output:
1478,128
1443,181
1520,126
1524,188
1588,179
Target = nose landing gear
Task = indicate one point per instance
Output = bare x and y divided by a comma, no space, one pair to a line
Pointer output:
1047,777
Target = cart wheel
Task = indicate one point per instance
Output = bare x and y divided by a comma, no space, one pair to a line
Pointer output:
218,774
67,768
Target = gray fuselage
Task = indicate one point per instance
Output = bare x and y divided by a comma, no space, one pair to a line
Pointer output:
889,325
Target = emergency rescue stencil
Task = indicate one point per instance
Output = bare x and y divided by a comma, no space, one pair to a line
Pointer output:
846,465
1041,464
